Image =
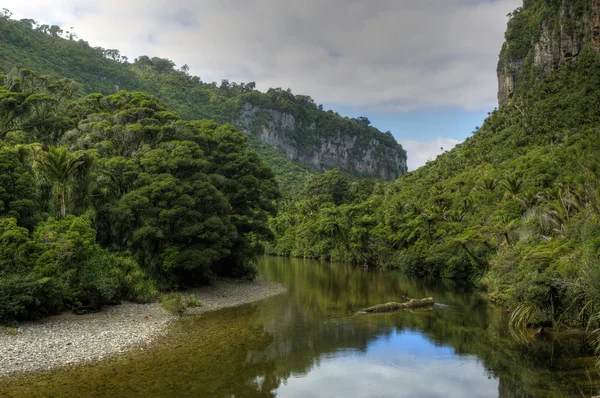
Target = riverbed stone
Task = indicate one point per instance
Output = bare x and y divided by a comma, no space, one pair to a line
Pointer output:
70,339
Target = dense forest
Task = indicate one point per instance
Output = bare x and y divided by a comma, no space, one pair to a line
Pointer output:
514,209
115,197
49,50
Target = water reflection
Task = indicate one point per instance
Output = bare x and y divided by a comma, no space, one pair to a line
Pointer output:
317,324
403,364
310,342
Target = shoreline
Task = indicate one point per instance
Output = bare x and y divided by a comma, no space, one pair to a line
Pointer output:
69,339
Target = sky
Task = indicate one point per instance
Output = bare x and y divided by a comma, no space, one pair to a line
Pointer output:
423,69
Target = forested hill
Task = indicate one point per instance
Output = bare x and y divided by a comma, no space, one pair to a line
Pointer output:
541,37
514,209
294,125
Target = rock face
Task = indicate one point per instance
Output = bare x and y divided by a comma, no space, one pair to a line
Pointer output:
544,35
377,154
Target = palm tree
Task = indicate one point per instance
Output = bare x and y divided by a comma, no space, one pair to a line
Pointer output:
59,168
487,183
513,185
471,236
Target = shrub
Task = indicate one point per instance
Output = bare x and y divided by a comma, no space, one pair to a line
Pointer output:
192,301
29,297
174,303
134,283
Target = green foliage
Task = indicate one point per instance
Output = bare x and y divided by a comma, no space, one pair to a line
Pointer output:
192,301
61,170
174,303
134,283
515,208
177,304
11,331
28,296
36,47
18,193
146,202
290,176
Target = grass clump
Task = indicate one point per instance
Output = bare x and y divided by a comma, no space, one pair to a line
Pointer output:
192,301
177,304
11,331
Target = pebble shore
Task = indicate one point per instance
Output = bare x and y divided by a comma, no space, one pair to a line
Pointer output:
70,339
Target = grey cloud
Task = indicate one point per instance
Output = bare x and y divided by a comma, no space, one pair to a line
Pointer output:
384,54
184,18
420,153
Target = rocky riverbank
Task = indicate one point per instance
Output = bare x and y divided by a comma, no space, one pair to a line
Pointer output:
69,339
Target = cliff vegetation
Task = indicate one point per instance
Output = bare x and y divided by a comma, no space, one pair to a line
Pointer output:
298,128
514,209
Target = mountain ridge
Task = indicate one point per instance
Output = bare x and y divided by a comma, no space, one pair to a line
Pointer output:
514,209
42,49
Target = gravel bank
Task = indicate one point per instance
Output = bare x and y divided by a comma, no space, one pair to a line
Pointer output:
70,339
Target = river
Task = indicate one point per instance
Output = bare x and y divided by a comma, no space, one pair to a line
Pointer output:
313,342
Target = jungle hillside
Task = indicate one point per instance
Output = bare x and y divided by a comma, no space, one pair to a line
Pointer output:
515,209
292,133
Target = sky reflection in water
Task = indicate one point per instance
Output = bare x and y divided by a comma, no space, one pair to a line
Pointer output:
403,364
311,342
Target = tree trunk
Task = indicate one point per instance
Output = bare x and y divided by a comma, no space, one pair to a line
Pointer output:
393,306
63,204
470,254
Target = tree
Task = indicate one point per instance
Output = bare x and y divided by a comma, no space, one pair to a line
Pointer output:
36,105
59,168
55,30
364,121
331,186
19,196
513,185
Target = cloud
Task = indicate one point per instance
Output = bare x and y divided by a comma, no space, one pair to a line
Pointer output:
395,374
420,153
385,54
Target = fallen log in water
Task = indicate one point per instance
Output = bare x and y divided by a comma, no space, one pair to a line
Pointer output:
389,307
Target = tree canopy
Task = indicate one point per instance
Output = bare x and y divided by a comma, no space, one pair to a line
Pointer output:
129,200
513,209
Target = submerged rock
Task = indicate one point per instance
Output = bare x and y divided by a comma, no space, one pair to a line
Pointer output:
393,306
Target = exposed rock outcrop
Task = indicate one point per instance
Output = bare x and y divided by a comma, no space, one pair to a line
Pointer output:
309,143
544,35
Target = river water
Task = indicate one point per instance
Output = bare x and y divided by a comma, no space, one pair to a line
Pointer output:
313,342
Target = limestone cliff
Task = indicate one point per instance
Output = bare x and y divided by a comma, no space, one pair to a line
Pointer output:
541,36
323,145
296,126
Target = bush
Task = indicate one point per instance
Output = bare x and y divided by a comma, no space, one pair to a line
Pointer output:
62,266
192,301
67,251
134,284
29,297
97,285
11,331
174,303
177,304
